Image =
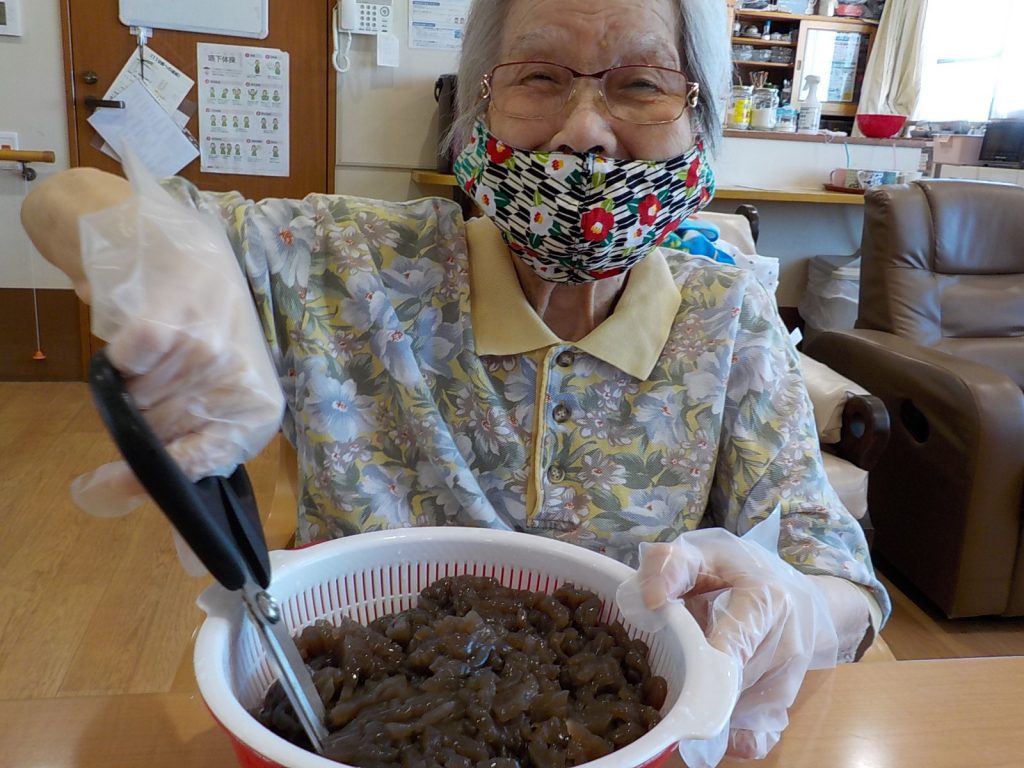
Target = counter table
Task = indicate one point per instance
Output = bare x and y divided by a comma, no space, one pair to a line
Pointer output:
942,714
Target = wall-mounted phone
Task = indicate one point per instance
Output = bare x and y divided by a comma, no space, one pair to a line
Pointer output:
352,18
364,18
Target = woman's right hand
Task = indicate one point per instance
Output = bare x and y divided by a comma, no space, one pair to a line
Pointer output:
202,378
168,295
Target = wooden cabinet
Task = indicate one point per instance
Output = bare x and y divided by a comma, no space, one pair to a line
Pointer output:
831,47
837,52
730,12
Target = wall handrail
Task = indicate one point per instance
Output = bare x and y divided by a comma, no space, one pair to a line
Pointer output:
26,156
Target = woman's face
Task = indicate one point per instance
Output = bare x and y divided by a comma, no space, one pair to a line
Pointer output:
590,36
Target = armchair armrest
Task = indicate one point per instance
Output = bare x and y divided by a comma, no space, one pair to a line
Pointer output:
946,497
864,432
967,394
852,423
751,214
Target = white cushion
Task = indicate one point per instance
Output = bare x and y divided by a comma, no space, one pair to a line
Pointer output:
850,483
829,392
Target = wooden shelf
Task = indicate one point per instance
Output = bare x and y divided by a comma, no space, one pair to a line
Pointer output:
788,196
823,138
797,18
769,64
433,178
759,41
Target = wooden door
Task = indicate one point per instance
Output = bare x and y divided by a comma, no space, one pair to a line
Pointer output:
97,45
97,42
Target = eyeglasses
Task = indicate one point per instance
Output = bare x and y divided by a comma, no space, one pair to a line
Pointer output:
641,94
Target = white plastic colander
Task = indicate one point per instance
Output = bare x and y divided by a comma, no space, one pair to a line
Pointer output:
373,574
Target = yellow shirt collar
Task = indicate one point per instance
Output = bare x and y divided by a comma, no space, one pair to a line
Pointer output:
504,323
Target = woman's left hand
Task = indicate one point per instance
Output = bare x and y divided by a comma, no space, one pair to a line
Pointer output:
773,620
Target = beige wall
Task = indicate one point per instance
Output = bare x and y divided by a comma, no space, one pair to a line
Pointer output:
32,104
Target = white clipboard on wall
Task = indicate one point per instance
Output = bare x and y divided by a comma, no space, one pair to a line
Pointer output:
238,18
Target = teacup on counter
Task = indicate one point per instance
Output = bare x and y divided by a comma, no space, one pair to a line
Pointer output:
861,178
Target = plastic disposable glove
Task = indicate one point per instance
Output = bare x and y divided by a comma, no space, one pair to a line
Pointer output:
169,297
773,620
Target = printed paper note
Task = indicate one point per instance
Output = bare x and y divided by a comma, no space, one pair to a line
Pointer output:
437,24
168,84
147,129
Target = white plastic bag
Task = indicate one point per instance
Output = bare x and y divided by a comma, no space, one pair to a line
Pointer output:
169,297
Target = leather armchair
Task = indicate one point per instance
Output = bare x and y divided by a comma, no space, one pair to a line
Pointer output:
940,338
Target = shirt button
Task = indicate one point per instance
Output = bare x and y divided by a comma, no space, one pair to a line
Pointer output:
561,413
565,358
556,474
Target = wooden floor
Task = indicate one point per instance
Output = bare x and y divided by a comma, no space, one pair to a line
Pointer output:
91,605
87,605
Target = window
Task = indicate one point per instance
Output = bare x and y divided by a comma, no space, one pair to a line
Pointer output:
972,60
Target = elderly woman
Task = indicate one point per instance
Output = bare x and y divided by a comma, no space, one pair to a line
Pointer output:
545,368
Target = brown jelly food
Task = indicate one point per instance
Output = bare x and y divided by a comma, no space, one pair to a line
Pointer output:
477,675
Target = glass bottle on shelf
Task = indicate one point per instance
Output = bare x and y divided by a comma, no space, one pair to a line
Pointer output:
764,108
738,115
786,119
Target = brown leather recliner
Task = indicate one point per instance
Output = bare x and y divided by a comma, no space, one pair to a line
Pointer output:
940,338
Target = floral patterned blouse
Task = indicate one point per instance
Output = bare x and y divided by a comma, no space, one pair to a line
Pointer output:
422,389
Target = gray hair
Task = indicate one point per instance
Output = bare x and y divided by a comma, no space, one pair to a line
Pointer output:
704,55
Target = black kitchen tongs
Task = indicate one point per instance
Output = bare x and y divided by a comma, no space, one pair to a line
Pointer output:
218,518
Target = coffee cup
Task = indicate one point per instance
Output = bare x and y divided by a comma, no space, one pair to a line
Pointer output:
864,178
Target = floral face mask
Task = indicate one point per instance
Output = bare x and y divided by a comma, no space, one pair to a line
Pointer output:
579,217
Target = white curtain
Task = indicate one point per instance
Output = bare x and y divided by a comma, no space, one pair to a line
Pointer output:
892,80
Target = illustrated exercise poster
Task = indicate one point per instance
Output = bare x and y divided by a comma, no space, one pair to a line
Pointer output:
243,110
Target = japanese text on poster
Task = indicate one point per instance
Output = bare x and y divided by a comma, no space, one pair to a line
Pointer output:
437,24
243,110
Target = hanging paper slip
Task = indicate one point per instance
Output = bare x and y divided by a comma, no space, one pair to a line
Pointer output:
243,110
168,84
144,126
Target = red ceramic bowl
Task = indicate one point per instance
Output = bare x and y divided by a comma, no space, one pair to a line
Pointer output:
880,126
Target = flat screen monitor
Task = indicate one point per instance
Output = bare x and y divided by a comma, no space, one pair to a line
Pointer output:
1003,144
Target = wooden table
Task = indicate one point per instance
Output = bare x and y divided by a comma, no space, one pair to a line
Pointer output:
965,713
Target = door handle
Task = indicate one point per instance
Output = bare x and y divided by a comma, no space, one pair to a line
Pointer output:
92,103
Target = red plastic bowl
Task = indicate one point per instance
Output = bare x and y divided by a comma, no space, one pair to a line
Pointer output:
250,758
880,126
